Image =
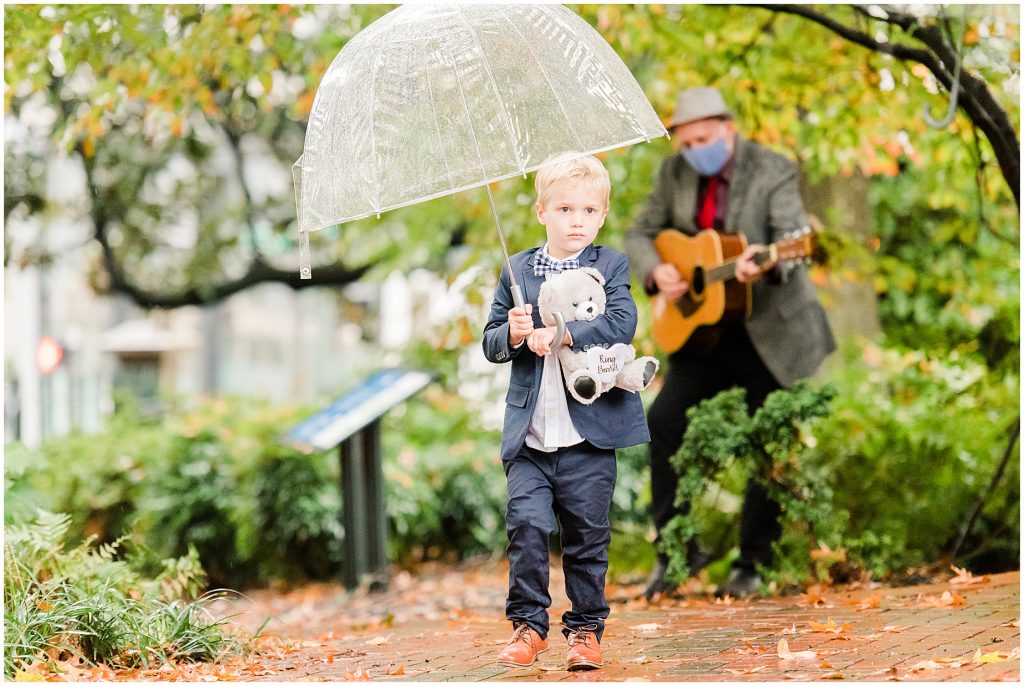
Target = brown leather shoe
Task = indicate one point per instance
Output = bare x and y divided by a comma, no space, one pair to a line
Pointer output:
523,649
584,650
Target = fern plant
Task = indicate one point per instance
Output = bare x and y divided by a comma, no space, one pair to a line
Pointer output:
92,602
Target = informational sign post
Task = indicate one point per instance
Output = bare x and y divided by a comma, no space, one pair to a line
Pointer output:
352,422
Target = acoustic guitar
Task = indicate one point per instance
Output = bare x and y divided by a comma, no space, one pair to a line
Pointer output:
707,262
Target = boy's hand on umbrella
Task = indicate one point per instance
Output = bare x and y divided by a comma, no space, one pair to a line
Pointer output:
520,324
541,339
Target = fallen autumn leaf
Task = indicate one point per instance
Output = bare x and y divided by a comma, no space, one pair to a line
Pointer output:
786,654
981,658
947,599
358,675
830,627
873,602
646,627
965,578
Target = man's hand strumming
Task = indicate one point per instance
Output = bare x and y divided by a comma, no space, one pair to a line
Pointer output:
670,284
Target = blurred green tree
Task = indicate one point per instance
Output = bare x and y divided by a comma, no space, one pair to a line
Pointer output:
184,120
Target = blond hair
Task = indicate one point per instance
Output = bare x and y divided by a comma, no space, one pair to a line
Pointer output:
564,167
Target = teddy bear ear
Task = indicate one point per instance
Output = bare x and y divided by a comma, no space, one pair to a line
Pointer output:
594,274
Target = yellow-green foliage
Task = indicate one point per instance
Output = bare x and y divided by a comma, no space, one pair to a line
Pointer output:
96,603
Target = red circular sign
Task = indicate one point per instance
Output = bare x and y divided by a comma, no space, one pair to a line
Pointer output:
49,353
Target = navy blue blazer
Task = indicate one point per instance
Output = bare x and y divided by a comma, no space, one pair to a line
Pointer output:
616,419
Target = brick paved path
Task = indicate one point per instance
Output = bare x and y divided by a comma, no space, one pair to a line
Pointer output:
449,627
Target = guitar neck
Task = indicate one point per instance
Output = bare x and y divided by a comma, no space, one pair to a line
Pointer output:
727,270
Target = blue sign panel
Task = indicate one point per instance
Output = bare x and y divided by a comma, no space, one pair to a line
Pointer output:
356,409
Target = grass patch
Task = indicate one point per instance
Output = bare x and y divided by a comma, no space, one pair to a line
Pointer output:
99,605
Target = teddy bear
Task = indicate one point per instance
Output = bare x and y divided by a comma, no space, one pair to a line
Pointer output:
578,294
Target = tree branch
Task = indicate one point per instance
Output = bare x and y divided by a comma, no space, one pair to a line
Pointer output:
940,57
975,98
965,528
1002,520
259,270
234,140
898,50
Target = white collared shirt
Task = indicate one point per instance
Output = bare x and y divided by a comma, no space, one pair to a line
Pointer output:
551,426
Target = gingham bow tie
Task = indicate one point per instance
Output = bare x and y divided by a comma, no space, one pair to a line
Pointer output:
544,265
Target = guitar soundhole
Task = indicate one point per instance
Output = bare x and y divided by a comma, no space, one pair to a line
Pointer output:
694,297
697,285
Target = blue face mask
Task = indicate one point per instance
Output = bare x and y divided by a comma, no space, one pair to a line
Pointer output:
707,160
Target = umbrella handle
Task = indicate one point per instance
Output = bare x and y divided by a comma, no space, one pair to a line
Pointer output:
517,298
559,331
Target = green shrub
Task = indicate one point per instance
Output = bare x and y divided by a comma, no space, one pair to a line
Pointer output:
281,518
191,502
630,551
885,480
94,478
768,446
85,602
291,528
948,280
913,442
217,478
444,485
446,489
213,476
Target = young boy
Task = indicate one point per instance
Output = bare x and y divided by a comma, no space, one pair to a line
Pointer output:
558,454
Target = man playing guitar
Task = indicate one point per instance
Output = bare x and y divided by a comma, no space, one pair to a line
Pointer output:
721,182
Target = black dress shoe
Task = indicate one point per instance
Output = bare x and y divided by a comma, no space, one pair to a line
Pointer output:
742,583
696,559
658,583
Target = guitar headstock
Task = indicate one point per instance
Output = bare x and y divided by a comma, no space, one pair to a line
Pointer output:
799,245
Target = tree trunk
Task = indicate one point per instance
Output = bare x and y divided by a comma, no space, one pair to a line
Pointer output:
841,206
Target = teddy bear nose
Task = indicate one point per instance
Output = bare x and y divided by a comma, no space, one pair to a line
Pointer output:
586,311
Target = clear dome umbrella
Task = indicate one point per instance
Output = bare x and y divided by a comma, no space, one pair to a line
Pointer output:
430,100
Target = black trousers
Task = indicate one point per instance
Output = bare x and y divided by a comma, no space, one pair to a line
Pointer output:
567,491
694,376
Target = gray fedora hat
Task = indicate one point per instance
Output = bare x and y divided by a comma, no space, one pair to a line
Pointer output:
694,104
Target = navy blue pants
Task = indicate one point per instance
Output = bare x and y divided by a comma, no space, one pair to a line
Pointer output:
569,490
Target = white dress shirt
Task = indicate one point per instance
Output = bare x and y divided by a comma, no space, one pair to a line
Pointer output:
551,426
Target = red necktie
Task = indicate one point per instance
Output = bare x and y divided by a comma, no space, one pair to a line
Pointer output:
707,208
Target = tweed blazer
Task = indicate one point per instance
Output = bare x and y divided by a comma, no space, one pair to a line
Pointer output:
787,324
614,420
